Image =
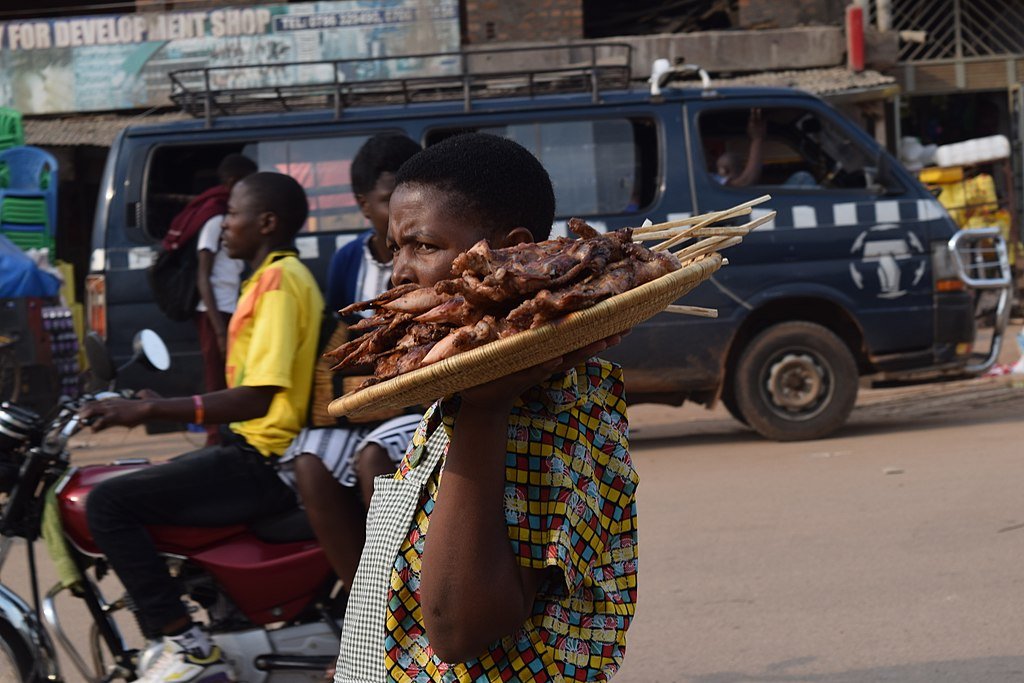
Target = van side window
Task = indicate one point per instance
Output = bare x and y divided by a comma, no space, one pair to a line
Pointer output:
785,147
597,166
177,174
321,165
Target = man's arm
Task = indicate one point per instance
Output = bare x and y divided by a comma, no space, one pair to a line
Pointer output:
756,130
220,407
473,590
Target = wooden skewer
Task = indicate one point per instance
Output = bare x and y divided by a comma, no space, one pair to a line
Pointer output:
706,246
673,226
703,232
699,311
685,234
738,210
698,231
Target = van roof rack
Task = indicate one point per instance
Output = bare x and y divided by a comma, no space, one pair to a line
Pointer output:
438,76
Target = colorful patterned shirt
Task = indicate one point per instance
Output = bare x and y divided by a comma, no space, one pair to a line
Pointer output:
569,503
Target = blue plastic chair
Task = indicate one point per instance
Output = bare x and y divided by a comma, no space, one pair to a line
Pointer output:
28,175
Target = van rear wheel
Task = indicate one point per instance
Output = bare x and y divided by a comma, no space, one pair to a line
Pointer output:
796,381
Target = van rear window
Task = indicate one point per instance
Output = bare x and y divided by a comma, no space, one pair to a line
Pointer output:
597,166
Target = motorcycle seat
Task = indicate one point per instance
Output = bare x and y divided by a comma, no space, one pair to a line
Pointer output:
288,527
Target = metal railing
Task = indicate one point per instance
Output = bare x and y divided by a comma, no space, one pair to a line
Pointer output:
959,29
981,261
468,76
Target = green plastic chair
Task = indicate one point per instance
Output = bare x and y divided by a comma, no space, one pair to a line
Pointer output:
28,197
12,133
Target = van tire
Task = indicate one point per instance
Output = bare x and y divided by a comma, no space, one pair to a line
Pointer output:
796,381
729,401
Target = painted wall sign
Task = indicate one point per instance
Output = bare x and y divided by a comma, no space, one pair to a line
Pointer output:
99,63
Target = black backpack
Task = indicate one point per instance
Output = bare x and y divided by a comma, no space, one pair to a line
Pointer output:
172,278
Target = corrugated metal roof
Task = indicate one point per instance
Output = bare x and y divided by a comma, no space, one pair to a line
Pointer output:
97,130
828,83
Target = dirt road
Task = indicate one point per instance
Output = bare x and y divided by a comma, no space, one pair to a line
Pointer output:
892,552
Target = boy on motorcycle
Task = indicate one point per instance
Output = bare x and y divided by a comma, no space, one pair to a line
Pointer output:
269,367
528,569
333,467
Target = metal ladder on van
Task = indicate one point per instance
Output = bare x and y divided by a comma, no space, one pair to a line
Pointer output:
469,76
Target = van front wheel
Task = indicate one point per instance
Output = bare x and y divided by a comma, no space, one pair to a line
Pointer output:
796,381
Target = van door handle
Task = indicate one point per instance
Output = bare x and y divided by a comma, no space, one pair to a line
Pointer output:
133,214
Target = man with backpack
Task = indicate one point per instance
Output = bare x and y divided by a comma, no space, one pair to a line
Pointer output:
211,294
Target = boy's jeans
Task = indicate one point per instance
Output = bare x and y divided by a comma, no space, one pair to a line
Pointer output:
214,486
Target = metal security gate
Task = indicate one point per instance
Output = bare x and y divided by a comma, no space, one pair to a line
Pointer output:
967,44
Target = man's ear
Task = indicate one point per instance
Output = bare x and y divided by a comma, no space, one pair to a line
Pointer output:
269,223
513,237
361,203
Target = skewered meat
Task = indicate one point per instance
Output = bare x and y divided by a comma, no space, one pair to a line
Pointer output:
418,301
385,297
463,339
494,293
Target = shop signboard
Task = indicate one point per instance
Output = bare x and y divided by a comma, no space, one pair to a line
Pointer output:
121,61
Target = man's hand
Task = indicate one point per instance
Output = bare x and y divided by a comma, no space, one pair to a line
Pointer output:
115,412
756,126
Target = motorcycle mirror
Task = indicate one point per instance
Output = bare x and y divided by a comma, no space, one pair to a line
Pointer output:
149,347
100,365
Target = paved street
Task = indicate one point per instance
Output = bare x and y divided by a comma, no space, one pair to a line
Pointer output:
892,552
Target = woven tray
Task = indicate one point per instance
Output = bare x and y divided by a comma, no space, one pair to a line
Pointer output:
529,348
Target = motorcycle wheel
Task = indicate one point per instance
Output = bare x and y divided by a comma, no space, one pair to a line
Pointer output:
15,663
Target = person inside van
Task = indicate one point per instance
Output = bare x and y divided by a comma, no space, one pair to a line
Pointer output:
731,171
218,277
333,467
729,167
528,572
271,353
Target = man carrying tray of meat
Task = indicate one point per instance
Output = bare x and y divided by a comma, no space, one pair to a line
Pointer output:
519,563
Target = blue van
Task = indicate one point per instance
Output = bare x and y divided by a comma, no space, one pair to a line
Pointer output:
861,273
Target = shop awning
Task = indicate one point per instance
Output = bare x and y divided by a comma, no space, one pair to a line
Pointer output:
96,130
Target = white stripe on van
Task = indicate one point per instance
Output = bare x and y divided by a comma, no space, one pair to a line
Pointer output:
805,217
309,247
844,213
929,209
342,240
887,212
678,216
140,258
757,213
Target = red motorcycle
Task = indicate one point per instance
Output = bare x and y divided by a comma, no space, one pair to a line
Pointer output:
271,601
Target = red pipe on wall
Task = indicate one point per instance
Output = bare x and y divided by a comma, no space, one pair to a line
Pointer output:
855,38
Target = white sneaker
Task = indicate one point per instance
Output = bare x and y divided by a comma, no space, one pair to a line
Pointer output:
178,665
149,655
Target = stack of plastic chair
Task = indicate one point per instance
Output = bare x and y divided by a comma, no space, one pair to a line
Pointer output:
11,132
28,197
